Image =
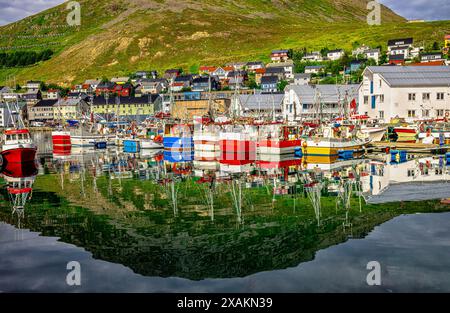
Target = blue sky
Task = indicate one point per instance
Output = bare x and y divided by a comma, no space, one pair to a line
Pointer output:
11,11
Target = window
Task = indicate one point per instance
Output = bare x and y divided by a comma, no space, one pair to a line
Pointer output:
366,99
426,96
440,96
381,113
411,113
382,98
439,113
411,172
381,83
425,113
412,97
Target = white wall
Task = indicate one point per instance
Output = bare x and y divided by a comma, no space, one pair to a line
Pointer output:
396,102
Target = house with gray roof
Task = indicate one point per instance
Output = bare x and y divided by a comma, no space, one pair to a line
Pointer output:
303,101
409,92
261,104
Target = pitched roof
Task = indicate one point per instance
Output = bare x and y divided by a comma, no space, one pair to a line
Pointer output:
328,93
431,63
413,76
397,57
260,70
254,63
275,70
269,80
280,51
68,102
101,100
183,78
207,68
201,80
46,103
335,51
261,101
398,42
281,64
310,67
302,75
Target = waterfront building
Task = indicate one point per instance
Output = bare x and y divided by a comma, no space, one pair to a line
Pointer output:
303,101
409,92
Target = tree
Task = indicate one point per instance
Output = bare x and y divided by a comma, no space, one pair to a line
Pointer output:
383,59
324,51
282,85
436,46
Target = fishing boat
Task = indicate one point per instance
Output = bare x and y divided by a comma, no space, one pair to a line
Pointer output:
406,133
61,139
277,139
20,178
206,140
374,134
18,147
332,142
88,140
238,144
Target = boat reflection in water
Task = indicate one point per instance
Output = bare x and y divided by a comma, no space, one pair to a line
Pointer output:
19,178
197,218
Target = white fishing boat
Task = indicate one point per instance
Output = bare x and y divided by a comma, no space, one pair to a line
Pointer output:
374,134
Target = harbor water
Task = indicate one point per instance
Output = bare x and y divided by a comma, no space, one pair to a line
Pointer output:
148,222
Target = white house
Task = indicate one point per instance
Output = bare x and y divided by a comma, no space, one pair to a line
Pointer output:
373,54
360,50
334,55
315,56
32,85
314,69
409,92
405,47
53,94
288,67
302,101
302,79
431,57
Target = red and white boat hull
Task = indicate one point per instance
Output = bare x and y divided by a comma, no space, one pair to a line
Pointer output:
20,153
61,138
278,147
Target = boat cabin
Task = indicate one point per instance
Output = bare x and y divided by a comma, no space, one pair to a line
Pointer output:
17,136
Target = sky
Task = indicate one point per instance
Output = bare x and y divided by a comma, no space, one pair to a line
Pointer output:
11,11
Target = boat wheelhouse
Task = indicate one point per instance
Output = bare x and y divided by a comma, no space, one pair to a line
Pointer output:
333,142
18,147
278,139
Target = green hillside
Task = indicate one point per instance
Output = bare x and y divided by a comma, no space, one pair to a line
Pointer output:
119,37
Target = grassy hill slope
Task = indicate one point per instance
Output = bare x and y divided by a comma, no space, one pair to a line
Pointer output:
119,37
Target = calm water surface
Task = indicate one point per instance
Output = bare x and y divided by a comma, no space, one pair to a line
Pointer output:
138,223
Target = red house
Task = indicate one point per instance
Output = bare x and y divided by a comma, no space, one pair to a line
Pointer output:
279,55
122,90
397,59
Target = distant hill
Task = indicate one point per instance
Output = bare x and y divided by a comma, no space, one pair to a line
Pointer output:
119,37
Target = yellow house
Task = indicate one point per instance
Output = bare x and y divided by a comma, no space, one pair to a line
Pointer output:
127,106
447,41
70,108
